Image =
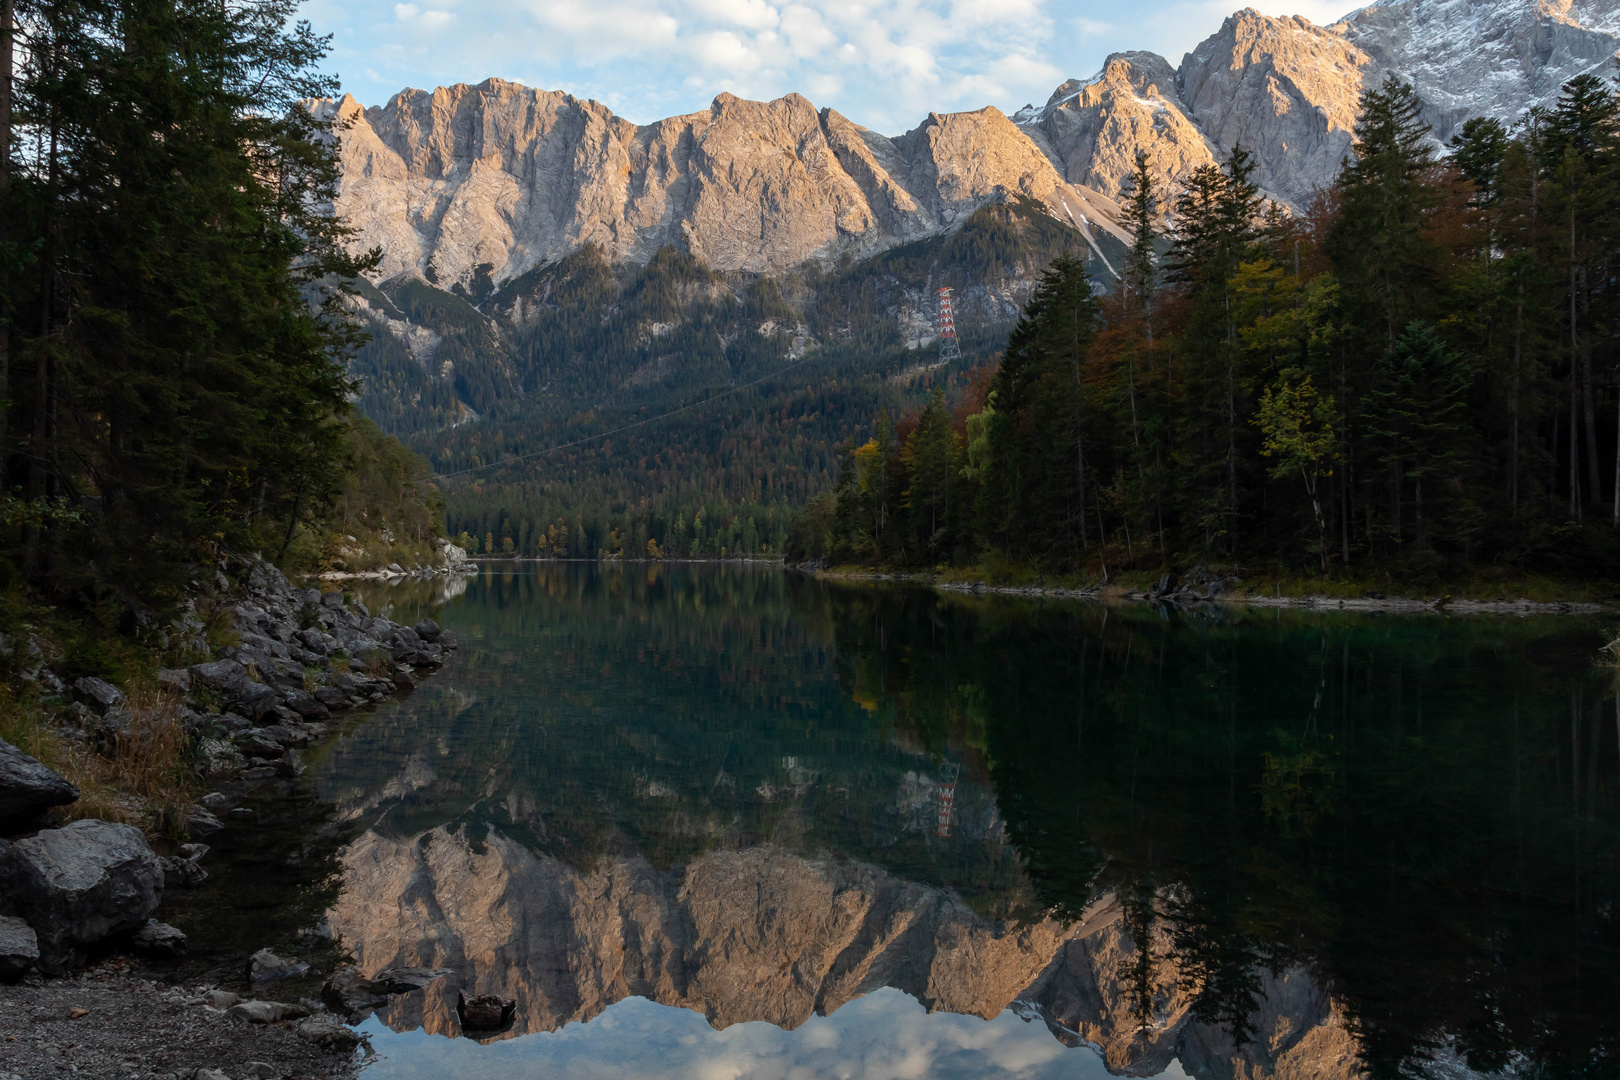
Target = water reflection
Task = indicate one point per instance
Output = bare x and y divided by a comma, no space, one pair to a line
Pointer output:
1255,844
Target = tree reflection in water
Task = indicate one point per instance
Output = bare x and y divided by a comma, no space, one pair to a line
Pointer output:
1238,829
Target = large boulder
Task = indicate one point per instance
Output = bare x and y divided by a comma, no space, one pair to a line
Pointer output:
28,787
80,884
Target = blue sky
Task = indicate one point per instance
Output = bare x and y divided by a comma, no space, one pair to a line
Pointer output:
882,63
883,1036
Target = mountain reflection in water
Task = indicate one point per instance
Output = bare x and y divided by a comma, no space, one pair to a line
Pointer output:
1231,843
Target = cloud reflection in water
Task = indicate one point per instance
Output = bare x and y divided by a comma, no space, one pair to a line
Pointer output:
885,1035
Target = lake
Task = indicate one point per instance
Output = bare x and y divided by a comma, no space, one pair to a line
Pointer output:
711,821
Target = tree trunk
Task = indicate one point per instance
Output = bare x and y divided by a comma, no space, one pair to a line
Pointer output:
1574,368
6,13
1513,401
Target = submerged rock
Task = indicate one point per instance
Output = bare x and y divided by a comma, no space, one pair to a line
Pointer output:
27,787
348,992
328,1035
201,821
265,966
19,948
79,884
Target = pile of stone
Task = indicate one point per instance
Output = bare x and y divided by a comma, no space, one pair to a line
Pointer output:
300,656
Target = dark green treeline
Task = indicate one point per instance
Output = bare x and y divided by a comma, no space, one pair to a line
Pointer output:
1416,373
172,352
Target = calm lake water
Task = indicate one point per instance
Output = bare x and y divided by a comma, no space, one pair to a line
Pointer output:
723,822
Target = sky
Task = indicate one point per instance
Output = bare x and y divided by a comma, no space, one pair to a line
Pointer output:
882,63
881,1036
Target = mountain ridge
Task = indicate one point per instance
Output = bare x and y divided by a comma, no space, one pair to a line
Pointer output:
495,179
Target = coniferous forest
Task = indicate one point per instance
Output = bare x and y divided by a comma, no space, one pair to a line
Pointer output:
174,348
1417,374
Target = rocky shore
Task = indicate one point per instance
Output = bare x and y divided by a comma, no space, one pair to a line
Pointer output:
88,892
1212,589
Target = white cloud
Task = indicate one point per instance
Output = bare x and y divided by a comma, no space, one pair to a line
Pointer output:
883,63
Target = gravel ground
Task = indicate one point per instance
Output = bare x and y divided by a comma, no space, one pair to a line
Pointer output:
113,1022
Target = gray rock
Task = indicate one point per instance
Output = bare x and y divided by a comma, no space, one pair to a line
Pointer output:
305,704
266,1012
220,999
257,742
200,821
252,699
348,992
99,694
78,884
19,948
210,1074
403,980
160,938
182,873
265,966
329,1036
332,600
291,765
177,679
219,675
28,787
258,1070
428,630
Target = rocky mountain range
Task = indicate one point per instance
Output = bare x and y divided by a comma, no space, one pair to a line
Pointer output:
468,183
543,258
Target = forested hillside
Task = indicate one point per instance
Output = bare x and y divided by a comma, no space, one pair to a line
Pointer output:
764,378
1418,376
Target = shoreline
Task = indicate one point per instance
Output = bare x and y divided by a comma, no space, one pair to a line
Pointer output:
1104,593
300,667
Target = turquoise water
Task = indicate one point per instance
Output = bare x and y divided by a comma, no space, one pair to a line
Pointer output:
707,821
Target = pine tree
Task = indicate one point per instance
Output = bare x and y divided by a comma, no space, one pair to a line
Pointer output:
184,395
1388,267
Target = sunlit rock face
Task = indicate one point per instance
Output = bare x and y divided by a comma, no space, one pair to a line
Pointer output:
765,934
467,183
756,934
1094,128
1286,90
1498,58
498,178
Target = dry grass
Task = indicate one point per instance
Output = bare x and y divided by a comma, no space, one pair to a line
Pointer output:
142,777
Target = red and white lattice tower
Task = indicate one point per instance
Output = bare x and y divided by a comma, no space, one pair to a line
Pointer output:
949,347
948,773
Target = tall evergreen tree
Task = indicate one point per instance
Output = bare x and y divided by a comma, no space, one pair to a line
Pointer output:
183,396
1387,265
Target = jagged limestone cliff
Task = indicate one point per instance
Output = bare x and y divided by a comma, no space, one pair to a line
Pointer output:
495,179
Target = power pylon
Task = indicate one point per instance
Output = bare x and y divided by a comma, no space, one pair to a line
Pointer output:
949,347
